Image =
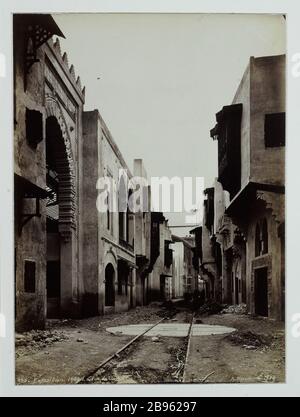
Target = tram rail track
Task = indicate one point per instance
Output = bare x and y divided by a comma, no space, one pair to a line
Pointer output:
115,356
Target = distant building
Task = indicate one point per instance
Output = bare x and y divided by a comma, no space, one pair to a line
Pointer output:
190,267
142,238
161,273
178,271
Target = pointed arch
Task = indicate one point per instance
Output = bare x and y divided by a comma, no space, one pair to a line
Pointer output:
257,240
265,248
57,138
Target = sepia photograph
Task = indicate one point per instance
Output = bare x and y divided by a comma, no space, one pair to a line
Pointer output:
149,198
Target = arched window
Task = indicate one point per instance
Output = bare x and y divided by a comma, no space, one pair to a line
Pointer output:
108,211
129,222
264,239
257,240
122,204
109,285
261,238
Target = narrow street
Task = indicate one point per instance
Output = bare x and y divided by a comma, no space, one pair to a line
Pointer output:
149,232
71,349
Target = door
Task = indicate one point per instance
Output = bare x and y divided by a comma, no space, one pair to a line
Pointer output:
109,286
53,289
261,292
236,290
162,287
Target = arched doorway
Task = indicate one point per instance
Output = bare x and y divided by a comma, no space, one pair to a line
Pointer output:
60,222
53,139
124,280
109,286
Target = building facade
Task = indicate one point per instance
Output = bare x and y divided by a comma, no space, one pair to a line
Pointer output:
178,271
189,276
161,271
72,257
142,235
251,163
48,104
108,230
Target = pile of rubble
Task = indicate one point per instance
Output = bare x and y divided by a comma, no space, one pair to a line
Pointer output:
209,308
37,339
249,340
168,310
235,309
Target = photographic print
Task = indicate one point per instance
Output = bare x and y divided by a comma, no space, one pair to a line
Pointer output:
149,198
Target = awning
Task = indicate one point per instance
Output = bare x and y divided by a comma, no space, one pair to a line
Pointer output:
240,203
233,109
27,189
44,21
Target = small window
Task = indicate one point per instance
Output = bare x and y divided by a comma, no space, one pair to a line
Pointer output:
34,127
120,286
29,276
261,238
274,130
108,212
265,248
257,240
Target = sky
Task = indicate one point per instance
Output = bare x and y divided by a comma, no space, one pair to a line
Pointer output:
159,79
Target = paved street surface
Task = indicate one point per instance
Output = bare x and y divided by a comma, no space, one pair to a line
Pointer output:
69,349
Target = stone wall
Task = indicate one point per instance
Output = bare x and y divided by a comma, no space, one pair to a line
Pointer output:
267,96
32,91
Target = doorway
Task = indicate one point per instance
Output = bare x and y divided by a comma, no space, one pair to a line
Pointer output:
109,286
53,272
237,290
53,289
261,292
162,287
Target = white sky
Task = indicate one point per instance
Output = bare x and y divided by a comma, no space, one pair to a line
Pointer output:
162,79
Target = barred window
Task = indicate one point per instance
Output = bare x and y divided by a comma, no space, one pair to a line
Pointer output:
274,130
29,276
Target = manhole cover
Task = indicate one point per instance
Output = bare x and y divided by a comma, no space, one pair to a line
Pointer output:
170,330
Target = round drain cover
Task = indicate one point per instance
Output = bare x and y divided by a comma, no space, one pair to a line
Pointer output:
170,330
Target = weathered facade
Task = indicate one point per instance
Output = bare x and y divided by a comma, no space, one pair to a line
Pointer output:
48,103
209,272
108,238
161,273
178,281
73,259
251,151
142,235
190,262
230,252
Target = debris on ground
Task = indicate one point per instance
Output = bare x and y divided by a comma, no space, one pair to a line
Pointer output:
182,303
259,364
177,367
235,309
168,310
37,339
209,308
155,339
249,340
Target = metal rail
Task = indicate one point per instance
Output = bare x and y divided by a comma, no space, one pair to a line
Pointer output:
188,347
116,354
